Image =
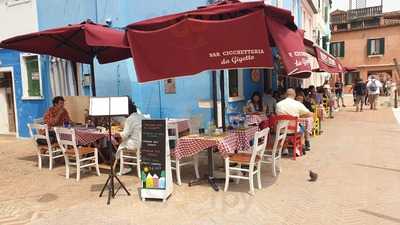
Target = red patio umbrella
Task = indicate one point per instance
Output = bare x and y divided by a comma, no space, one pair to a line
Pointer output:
78,43
220,36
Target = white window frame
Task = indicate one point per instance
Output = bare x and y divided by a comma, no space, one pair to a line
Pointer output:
374,40
24,74
240,96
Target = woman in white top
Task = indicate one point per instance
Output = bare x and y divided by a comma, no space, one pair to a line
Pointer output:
255,105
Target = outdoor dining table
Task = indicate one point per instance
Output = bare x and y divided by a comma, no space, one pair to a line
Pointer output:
255,119
86,136
190,145
245,137
226,143
182,124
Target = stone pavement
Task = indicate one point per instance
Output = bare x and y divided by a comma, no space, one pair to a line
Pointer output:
357,159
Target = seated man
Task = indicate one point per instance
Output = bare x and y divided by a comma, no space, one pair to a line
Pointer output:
131,136
55,116
289,106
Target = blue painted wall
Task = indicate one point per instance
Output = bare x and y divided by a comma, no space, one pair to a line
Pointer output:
120,78
27,110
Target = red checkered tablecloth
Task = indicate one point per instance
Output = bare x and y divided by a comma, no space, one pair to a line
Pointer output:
88,136
183,124
244,137
255,119
192,144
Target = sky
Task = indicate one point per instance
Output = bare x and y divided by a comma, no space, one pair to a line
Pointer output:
388,5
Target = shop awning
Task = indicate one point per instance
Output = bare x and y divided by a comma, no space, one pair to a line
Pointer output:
220,36
326,62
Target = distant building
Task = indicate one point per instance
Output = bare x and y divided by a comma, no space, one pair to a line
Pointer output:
367,39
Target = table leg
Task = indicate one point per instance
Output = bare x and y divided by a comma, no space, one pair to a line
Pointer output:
210,176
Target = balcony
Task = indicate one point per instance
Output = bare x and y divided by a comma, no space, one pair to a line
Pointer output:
364,12
339,18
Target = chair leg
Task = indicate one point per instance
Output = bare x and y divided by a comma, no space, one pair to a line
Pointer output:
121,162
301,146
294,144
66,167
273,164
238,173
96,160
251,180
226,174
40,161
259,175
178,172
138,164
51,160
78,170
196,165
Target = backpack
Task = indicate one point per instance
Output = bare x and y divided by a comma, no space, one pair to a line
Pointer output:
373,87
360,89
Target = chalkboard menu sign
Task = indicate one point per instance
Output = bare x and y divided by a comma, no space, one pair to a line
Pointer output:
153,154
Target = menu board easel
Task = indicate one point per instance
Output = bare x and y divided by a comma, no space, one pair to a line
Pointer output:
156,174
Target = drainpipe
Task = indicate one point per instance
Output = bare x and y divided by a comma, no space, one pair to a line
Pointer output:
96,14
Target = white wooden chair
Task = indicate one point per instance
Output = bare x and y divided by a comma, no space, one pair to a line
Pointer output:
52,151
173,136
129,157
253,161
81,157
273,155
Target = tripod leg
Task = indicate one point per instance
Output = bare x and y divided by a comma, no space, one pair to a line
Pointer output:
112,186
122,185
109,196
104,187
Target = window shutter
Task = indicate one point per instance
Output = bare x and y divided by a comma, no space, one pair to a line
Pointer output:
369,47
341,49
382,46
331,48
32,67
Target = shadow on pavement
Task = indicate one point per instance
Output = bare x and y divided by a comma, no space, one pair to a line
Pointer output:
376,167
393,219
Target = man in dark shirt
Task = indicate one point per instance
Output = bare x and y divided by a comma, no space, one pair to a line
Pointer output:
339,92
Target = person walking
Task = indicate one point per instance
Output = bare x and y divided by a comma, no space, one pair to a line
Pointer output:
339,92
359,91
374,86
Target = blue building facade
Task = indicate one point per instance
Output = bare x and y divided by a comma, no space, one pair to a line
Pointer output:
193,94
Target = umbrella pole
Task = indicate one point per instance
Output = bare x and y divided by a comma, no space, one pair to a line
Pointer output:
222,88
214,96
93,85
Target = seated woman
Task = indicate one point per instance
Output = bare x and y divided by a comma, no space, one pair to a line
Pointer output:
255,105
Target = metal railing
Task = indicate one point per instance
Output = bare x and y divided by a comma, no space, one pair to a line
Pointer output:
364,12
356,14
